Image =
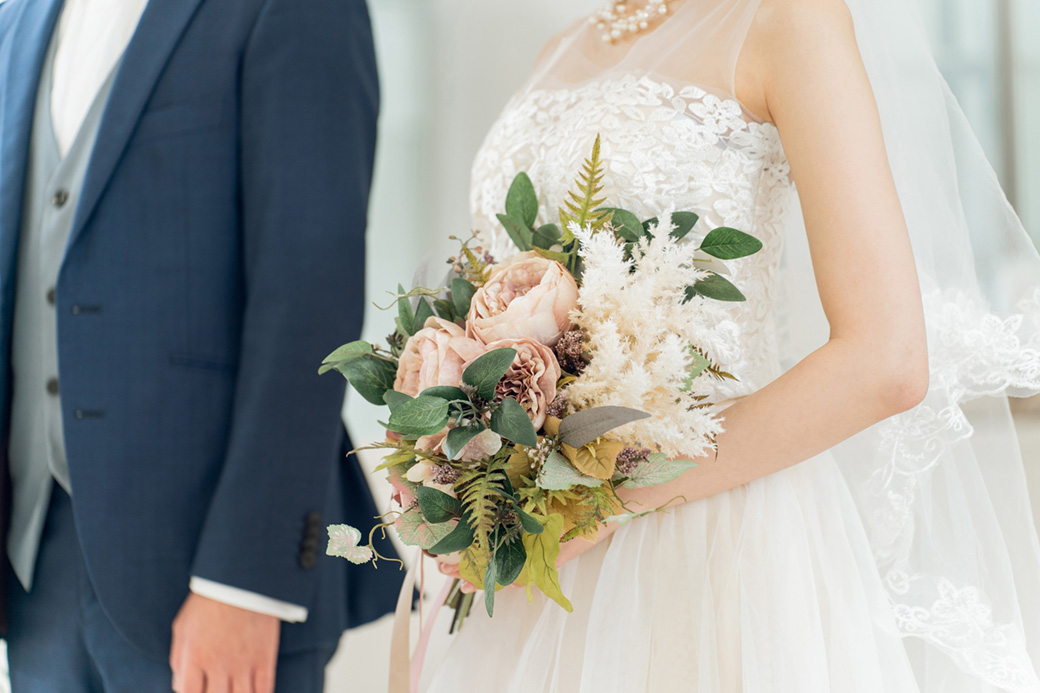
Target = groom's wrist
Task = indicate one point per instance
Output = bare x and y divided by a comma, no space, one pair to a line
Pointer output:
251,601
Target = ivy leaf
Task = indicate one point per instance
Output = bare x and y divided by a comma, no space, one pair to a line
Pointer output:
370,375
583,427
437,506
540,569
413,530
343,542
518,232
487,370
628,226
394,399
558,474
715,286
684,223
459,539
522,200
422,416
423,311
509,561
511,422
729,244
461,295
657,469
457,439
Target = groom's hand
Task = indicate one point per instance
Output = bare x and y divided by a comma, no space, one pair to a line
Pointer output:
218,648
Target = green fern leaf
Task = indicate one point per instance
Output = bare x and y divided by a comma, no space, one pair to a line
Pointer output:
480,491
582,204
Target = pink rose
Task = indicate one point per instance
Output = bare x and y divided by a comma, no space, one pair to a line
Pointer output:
435,355
531,379
525,296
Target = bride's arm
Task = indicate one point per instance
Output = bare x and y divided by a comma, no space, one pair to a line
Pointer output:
812,82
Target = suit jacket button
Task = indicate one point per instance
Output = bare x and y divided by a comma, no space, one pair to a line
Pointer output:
60,198
51,296
307,559
52,387
313,519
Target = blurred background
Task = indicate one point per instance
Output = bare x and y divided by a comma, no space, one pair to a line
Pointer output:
449,66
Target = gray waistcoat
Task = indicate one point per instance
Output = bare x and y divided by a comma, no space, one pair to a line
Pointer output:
37,445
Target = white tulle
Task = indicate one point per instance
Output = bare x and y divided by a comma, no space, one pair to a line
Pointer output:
902,560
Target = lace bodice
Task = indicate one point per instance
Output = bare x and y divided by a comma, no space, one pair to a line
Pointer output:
665,147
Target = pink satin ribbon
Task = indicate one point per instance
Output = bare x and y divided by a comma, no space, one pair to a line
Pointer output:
405,669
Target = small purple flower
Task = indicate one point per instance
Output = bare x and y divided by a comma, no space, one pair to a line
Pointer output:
569,351
630,458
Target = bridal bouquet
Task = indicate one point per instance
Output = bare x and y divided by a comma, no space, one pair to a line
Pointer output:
525,393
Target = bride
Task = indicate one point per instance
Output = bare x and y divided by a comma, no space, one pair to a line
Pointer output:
864,526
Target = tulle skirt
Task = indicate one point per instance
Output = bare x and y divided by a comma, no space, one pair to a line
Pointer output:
767,588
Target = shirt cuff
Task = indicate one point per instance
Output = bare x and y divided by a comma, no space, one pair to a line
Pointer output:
251,601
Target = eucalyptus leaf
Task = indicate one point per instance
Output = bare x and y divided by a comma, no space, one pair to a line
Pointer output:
519,233
437,506
729,244
627,224
511,422
683,223
509,559
394,399
457,439
370,375
657,469
445,392
490,578
445,309
405,315
461,295
522,200
558,474
487,370
345,353
422,416
460,539
717,287
546,236
583,427
652,221
528,522
422,312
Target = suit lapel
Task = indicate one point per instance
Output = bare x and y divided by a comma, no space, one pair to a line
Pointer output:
146,56
30,35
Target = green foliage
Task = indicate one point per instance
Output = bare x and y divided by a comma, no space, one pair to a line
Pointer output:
394,399
422,416
582,205
459,539
684,223
423,311
522,201
626,224
657,469
512,423
461,295
452,394
347,352
558,474
509,559
545,237
583,427
370,374
595,506
540,569
729,244
480,492
715,286
457,439
437,506
405,316
487,370
414,530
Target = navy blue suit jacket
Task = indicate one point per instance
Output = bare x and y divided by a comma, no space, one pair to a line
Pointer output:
216,257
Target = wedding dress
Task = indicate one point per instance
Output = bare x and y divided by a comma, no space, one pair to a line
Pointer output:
904,560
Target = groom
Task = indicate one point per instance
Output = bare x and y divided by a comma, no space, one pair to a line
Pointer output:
183,192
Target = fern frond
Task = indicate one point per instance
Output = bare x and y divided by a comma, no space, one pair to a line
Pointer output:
582,203
480,491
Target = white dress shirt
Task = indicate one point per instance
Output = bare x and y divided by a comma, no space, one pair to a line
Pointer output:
92,36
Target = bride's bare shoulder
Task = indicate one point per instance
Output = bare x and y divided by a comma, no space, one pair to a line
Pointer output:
788,36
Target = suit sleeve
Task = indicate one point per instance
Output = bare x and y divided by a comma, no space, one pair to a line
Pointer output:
309,102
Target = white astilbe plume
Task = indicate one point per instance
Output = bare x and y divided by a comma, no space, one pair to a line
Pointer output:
639,333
